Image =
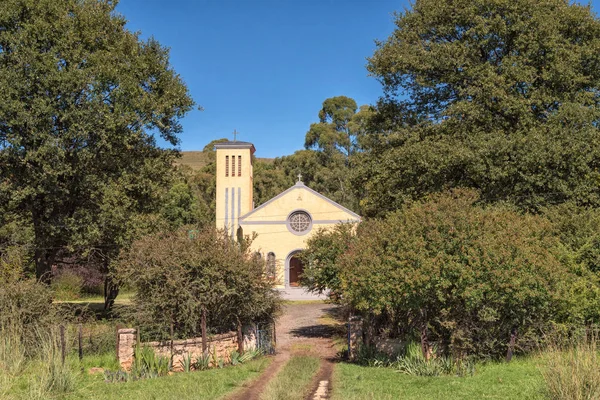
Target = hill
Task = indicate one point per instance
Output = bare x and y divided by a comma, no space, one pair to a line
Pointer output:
198,159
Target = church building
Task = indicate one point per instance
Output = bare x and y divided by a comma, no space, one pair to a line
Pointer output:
283,224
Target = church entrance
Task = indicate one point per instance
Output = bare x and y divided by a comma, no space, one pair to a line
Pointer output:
295,270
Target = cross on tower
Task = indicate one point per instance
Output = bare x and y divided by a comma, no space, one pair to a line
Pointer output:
235,133
299,177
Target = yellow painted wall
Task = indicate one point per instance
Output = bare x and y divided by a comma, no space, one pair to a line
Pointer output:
234,185
269,223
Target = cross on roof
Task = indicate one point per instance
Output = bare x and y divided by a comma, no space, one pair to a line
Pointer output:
235,133
299,177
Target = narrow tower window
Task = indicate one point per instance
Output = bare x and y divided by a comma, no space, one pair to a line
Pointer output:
226,165
232,165
239,165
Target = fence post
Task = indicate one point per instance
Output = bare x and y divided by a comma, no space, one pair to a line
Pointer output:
62,343
117,335
128,337
79,337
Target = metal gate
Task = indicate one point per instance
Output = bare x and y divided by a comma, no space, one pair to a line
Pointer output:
265,338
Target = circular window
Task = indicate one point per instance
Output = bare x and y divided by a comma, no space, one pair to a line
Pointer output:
299,222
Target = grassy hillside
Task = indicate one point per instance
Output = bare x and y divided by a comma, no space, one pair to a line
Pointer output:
198,159
195,159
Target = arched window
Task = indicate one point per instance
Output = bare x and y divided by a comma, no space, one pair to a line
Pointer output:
271,265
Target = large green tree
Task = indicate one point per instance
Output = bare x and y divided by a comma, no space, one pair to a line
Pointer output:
82,101
499,95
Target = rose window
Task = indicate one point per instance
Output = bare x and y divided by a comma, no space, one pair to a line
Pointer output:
299,221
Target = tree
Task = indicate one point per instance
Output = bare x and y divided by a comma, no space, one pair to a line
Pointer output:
82,100
321,257
333,133
497,95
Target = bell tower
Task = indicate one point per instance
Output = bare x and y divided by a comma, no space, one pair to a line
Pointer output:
234,183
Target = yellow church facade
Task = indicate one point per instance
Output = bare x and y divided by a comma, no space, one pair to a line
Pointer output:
282,224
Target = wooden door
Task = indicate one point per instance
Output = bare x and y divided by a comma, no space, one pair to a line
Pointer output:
296,269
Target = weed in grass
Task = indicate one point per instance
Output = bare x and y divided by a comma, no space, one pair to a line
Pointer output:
56,376
202,363
12,351
147,364
187,363
573,372
412,362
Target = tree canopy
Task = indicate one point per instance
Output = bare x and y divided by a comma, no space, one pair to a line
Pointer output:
83,99
501,96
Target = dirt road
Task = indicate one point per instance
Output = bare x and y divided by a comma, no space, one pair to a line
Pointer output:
299,327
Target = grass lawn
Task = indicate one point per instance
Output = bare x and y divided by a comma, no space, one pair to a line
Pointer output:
210,384
122,298
520,379
293,381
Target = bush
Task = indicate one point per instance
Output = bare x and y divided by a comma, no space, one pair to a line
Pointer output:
465,276
177,277
67,286
25,305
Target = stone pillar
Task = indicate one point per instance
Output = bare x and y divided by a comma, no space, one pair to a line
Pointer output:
126,341
355,336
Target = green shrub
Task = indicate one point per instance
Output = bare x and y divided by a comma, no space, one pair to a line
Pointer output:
147,364
451,271
177,278
67,286
25,305
573,372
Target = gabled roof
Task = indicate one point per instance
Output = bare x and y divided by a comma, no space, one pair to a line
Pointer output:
302,186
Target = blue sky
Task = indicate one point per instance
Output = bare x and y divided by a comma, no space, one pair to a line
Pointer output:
264,67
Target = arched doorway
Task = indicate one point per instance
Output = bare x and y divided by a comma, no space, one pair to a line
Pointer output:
293,269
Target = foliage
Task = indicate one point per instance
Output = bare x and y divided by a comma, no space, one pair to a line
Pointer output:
147,364
412,362
187,363
334,131
323,249
82,99
67,286
572,372
459,274
494,95
179,275
25,305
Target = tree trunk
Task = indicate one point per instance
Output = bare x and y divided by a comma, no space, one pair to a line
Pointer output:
172,336
111,291
203,329
425,348
511,344
44,259
240,337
